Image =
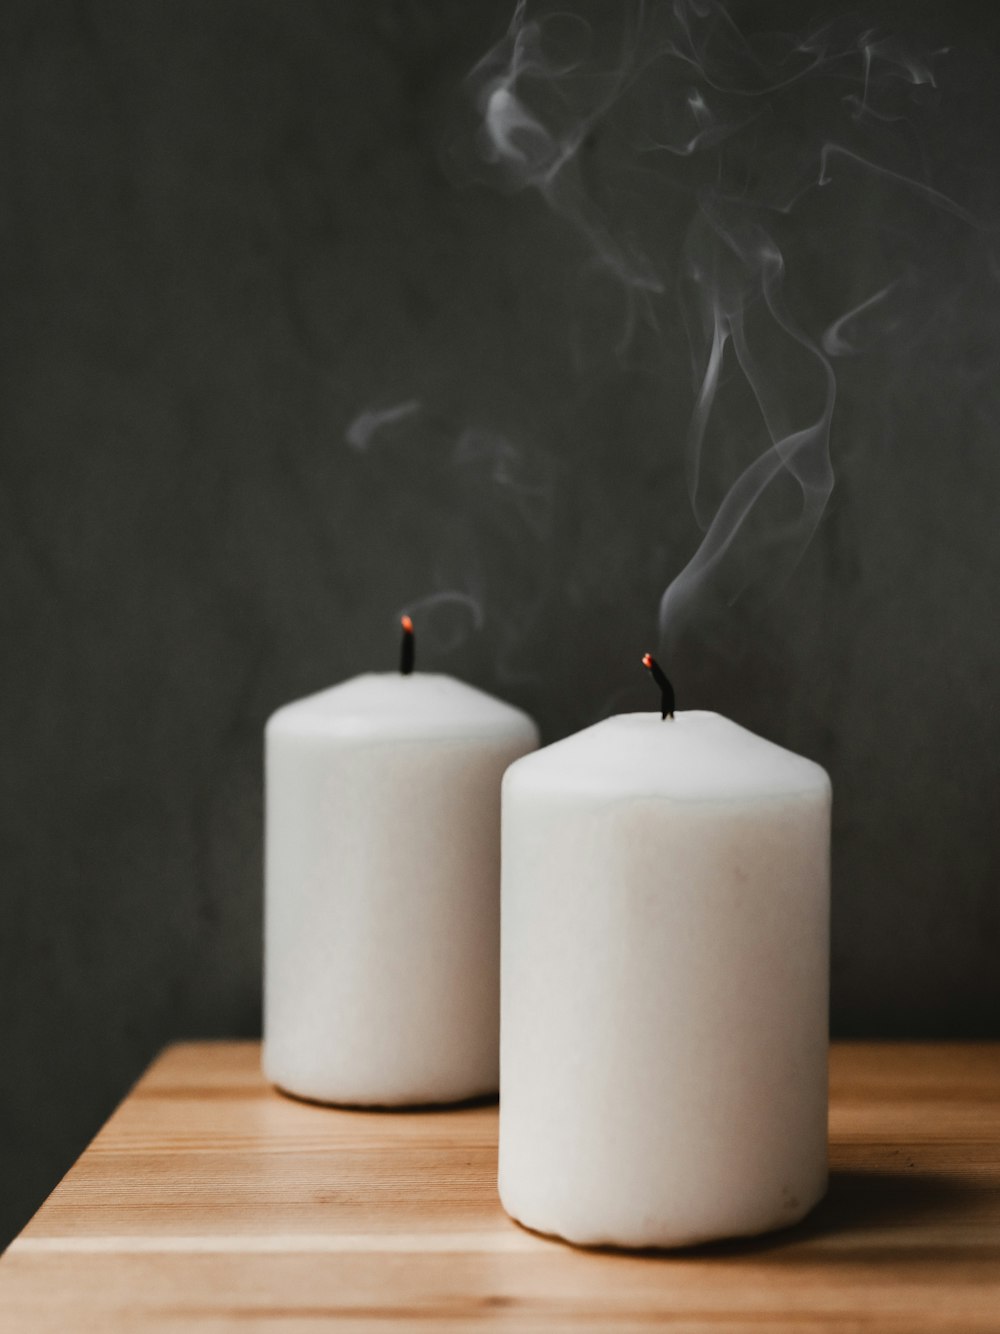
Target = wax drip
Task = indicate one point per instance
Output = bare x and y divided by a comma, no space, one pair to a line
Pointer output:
666,689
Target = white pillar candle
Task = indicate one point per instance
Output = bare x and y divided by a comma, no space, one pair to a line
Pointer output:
665,912
382,889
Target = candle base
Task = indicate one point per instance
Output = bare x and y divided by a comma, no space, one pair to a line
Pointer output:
666,1237
422,1104
446,1076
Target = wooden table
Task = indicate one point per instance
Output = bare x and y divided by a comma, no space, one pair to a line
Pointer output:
210,1202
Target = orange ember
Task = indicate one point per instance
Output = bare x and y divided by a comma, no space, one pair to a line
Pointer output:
407,624
647,660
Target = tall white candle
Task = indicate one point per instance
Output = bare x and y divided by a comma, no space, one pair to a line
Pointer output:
382,883
664,983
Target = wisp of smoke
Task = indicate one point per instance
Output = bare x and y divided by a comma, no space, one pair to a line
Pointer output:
477,488
367,424
641,125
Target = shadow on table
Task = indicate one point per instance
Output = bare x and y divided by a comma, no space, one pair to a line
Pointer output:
391,1109
860,1205
858,1208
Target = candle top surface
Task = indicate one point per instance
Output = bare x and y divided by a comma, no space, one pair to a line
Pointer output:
694,756
386,706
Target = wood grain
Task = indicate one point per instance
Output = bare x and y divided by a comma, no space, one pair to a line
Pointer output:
210,1202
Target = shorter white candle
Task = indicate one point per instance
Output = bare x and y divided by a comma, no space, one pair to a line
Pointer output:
381,978
664,983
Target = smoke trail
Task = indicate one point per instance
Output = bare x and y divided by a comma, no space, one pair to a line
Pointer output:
479,490
835,341
445,618
367,424
626,121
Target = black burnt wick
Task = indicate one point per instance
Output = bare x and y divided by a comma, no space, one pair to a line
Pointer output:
407,648
666,689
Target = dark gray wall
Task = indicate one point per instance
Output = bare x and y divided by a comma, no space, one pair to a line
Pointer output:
229,229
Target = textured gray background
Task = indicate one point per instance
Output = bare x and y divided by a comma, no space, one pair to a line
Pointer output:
228,229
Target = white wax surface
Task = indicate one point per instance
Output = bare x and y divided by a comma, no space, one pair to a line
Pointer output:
382,889
664,983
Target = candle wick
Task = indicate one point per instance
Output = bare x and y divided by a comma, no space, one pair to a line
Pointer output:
407,648
666,689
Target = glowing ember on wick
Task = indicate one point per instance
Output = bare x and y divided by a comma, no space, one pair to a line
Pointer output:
666,689
407,647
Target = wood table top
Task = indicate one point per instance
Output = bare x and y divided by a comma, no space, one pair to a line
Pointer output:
210,1202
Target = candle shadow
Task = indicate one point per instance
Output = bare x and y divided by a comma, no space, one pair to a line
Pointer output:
391,1109
857,1208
